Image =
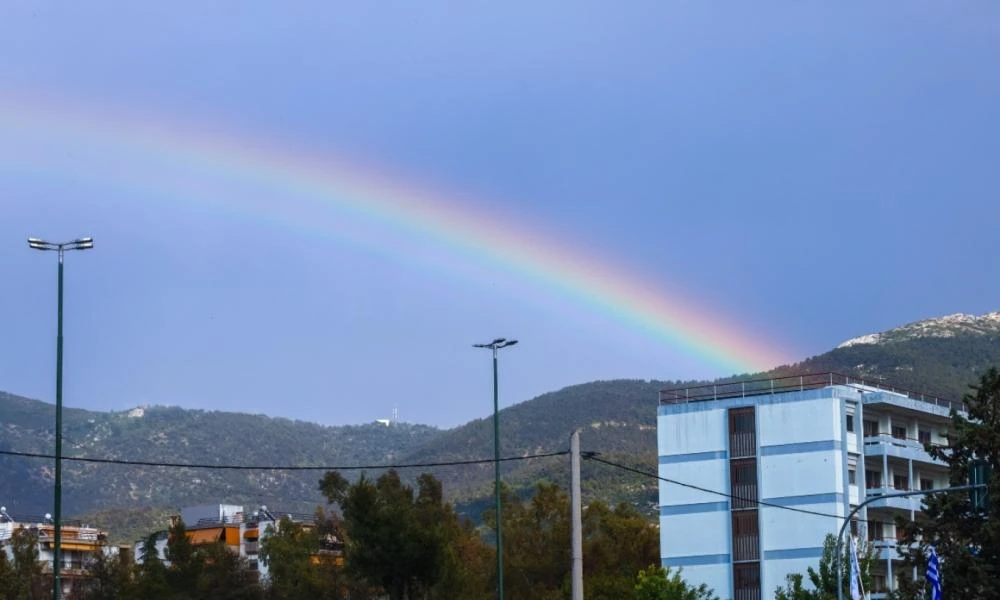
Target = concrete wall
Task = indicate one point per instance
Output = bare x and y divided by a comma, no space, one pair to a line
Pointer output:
694,525
803,449
800,465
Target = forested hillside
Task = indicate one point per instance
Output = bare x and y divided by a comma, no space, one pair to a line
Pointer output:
617,419
175,435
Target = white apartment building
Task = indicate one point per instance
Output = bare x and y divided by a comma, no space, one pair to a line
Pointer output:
241,532
817,442
79,544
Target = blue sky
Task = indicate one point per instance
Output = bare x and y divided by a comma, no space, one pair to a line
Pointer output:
806,172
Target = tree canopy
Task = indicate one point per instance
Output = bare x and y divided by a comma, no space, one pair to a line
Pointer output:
967,539
823,579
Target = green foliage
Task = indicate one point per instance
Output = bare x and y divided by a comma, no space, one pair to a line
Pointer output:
823,579
659,583
287,551
618,419
127,525
794,590
536,549
112,577
21,574
967,541
617,542
399,540
203,572
172,434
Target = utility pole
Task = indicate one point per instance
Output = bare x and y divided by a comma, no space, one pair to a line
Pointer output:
576,522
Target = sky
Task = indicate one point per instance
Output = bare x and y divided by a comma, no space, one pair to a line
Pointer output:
312,210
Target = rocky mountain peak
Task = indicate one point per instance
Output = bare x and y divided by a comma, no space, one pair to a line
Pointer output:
948,326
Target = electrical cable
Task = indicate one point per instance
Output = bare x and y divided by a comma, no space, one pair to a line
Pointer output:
586,456
143,463
592,456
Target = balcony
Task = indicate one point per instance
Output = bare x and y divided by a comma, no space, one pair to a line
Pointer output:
903,503
886,549
904,448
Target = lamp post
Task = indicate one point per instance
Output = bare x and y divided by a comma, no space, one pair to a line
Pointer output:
84,243
494,346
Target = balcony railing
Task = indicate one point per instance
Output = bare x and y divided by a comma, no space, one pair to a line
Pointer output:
791,383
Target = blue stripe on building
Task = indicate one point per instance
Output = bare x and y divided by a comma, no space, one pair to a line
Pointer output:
808,499
816,552
689,509
696,560
798,447
691,457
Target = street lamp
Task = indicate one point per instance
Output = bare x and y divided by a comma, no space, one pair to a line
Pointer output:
494,346
84,243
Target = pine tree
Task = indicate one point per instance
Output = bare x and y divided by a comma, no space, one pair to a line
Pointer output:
967,540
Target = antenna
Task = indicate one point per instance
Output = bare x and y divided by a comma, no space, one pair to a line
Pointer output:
395,413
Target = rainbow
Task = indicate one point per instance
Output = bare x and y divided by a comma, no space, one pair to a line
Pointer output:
145,146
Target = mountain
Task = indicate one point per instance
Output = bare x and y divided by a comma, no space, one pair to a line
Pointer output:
617,419
176,435
956,325
940,357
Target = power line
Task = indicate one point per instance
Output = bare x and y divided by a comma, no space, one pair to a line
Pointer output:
454,463
143,463
592,456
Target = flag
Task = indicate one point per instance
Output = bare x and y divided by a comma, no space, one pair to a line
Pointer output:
933,575
856,573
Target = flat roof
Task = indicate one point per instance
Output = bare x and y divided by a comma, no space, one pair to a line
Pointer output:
792,383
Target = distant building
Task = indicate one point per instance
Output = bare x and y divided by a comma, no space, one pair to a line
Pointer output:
79,543
240,532
818,442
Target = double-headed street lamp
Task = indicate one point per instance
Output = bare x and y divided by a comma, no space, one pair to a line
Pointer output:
84,243
494,346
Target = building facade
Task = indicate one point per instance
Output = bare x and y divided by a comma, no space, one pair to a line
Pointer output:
243,533
741,455
80,544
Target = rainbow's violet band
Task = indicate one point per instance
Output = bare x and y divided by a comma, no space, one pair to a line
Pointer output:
610,290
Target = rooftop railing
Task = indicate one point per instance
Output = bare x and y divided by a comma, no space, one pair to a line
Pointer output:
792,383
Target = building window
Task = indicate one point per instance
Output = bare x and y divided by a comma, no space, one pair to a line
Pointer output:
875,531
878,583
926,484
873,479
746,581
899,432
850,422
870,428
924,436
901,482
742,432
743,483
852,477
746,536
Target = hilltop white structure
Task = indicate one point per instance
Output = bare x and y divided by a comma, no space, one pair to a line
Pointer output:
819,443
